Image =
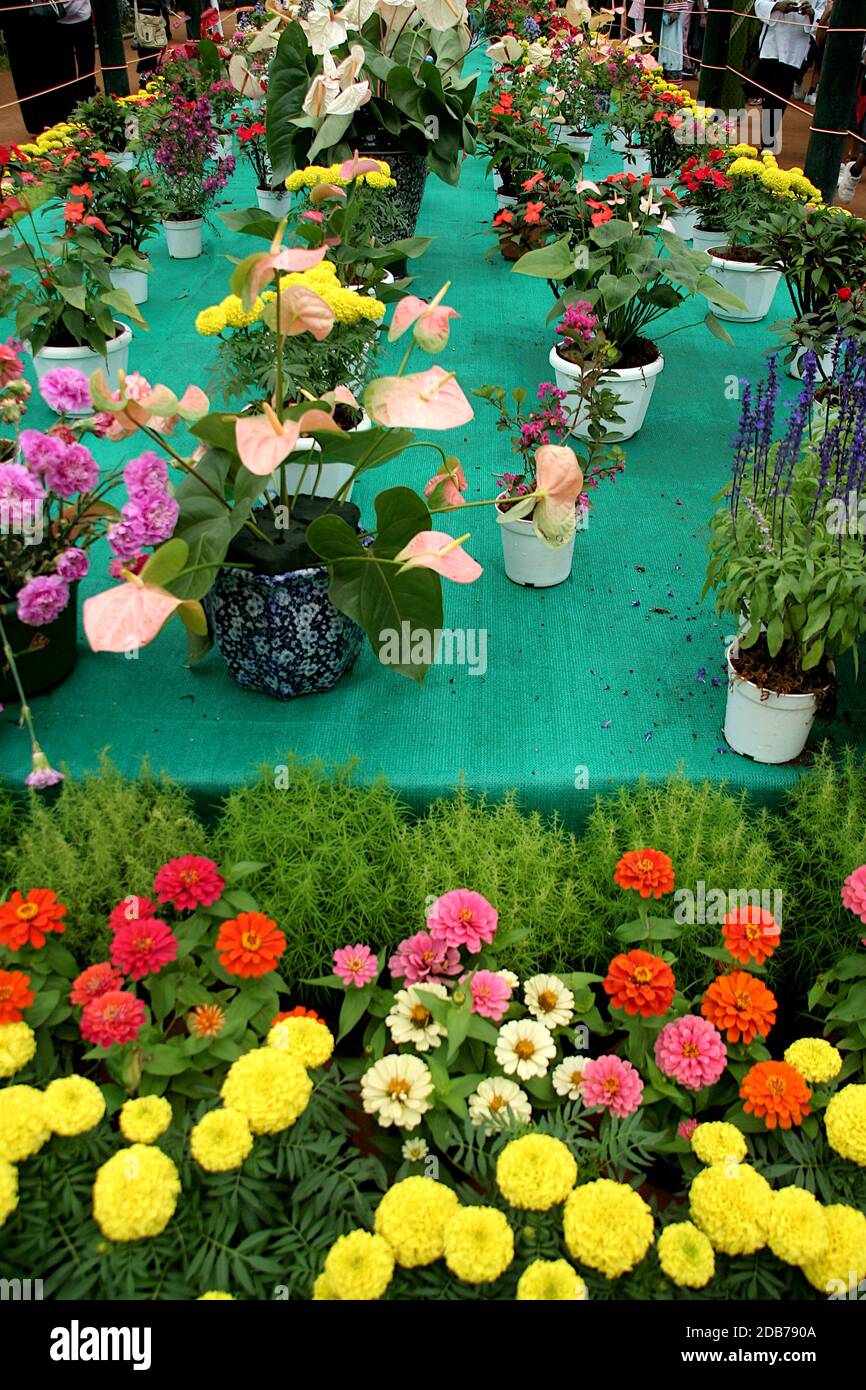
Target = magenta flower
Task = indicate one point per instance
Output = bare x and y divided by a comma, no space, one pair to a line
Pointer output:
686,1128
40,450
146,475
74,470
18,485
143,946
152,516
490,994
463,918
72,564
612,1084
691,1051
42,600
65,389
420,957
356,965
854,892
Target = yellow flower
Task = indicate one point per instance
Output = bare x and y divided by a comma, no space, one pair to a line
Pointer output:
135,1193
145,1119
685,1255
312,175
843,1264
270,1088
323,1291
535,1172
607,1226
815,1059
17,1046
209,322
308,1039
412,1217
359,1266
797,1229
718,1142
221,1140
23,1126
8,1189
731,1203
73,1105
845,1123
236,316
550,1280
479,1244
215,1296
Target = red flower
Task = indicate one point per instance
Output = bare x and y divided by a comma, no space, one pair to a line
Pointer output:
533,212
189,882
298,1012
750,934
81,190
73,212
143,947
131,909
249,945
114,1017
503,218
95,980
97,222
844,294
14,995
776,1093
648,871
531,182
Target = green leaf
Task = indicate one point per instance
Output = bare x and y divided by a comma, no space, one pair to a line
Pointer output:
166,563
164,1060
552,262
353,1009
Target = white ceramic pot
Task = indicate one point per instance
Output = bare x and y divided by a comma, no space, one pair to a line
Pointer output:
85,360
633,385
637,161
528,561
577,141
125,160
274,201
755,285
702,240
333,475
684,223
224,147
184,238
825,365
503,200
133,281
762,725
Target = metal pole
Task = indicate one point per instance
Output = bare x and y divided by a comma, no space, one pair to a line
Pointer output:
193,22
112,54
834,106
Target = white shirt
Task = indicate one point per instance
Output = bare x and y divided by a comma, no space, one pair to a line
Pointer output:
785,37
75,12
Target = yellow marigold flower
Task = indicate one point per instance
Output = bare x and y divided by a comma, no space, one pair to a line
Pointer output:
731,1204
550,1280
685,1255
843,1264
378,180
17,1047
144,1119
607,1226
718,1142
535,1172
845,1123
135,1193
323,1291
479,1244
815,1059
359,1266
412,1217
215,1296
221,1140
308,1039
797,1229
8,1189
23,1127
236,316
270,1088
73,1105
209,322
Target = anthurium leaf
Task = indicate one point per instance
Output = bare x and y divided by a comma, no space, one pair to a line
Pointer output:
166,562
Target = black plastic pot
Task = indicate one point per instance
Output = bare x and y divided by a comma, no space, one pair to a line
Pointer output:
44,656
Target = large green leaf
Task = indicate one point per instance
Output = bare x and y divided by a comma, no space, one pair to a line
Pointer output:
553,262
289,77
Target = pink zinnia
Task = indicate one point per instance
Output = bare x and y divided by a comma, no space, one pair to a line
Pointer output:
131,909
490,994
613,1084
189,882
420,957
356,965
95,980
463,918
691,1051
854,892
143,947
686,1128
115,1017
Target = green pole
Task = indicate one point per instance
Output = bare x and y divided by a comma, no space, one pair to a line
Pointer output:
112,54
193,23
835,95
715,54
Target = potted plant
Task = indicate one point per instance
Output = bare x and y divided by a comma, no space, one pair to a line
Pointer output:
698,187
108,123
517,142
525,224
580,105
786,557
131,206
252,139
183,151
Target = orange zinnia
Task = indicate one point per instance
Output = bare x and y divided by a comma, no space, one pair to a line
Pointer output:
740,1006
640,984
25,921
648,871
297,1012
250,944
776,1093
206,1021
14,995
751,933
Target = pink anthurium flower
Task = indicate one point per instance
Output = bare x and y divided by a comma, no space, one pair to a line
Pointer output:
264,441
434,550
129,615
430,320
287,259
559,479
137,403
303,311
357,165
321,191
430,400
448,485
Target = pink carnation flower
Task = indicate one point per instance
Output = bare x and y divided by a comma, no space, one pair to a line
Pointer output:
114,1017
613,1084
686,1128
143,947
131,909
463,918
356,965
490,994
854,892
420,957
189,882
95,980
691,1051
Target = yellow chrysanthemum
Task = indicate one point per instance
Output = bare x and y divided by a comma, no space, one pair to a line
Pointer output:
17,1047
23,1127
731,1203
73,1105
479,1244
209,322
718,1142
535,1172
270,1088
215,1296
749,150
8,1189
842,1266
608,1226
221,1140
815,1059
236,316
323,1291
144,1119
359,1266
309,177
308,1039
797,1228
549,1281
686,1255
135,1193
845,1123
412,1217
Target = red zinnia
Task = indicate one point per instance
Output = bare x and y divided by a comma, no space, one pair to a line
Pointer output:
15,996
640,983
115,1017
750,933
776,1093
131,909
95,980
298,1012
648,871
189,882
249,945
26,921
144,947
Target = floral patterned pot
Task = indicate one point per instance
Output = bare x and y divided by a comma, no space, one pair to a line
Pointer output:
44,656
410,172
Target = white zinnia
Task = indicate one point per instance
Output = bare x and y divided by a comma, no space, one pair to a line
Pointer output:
525,1047
411,1022
497,1102
415,1150
567,1077
509,977
549,1000
396,1090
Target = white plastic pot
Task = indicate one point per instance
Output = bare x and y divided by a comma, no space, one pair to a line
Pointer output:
273,200
633,385
755,285
333,475
528,561
184,238
85,360
636,160
125,160
702,240
762,725
576,141
684,220
133,281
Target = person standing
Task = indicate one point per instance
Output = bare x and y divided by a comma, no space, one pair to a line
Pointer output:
76,33
38,60
783,46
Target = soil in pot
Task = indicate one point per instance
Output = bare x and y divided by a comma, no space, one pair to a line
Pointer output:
640,352
285,549
745,255
782,674
63,338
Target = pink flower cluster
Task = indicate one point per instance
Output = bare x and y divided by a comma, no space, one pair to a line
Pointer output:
612,1084
691,1051
854,894
463,918
579,324
491,995
149,517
